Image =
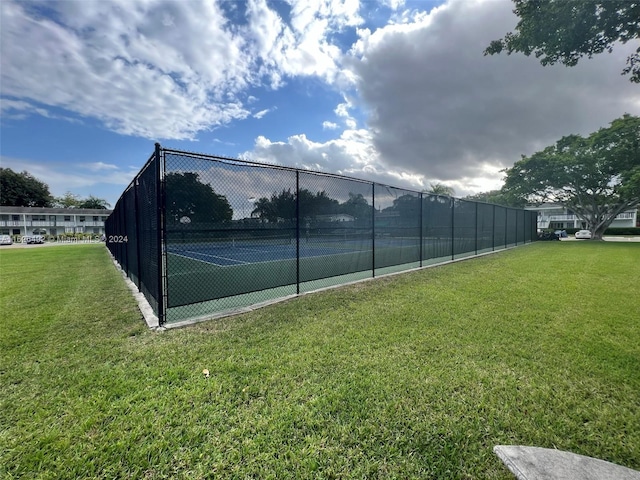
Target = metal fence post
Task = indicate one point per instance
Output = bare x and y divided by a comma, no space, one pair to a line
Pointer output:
506,225
297,232
373,230
476,245
136,183
453,230
493,228
421,232
160,236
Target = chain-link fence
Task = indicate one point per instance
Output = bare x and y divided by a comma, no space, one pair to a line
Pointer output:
201,235
134,234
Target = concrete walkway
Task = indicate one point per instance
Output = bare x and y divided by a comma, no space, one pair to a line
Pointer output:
535,463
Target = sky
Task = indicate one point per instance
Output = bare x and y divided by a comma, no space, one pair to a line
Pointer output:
396,92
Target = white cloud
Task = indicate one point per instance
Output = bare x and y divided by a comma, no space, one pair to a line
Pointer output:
394,4
300,47
439,107
351,123
113,61
262,113
342,110
79,178
435,108
160,70
18,109
100,166
352,154
440,111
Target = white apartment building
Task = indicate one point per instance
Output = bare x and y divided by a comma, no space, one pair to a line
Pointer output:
557,217
27,221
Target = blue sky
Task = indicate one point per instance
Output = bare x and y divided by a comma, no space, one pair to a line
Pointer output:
391,91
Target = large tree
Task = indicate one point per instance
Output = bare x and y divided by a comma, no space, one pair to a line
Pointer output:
597,177
440,189
94,203
71,200
317,204
358,207
408,208
280,206
68,200
22,190
188,201
497,197
283,205
566,30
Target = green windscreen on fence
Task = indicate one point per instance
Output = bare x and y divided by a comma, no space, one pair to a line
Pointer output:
335,220
133,234
207,234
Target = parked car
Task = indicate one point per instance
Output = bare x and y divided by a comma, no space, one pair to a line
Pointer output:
583,234
5,240
548,236
561,233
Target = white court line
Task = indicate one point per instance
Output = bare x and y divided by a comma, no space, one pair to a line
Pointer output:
208,255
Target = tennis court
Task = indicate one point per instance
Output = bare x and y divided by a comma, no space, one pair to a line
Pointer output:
208,234
238,251
202,271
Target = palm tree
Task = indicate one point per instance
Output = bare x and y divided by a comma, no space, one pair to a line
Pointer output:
440,189
264,210
94,202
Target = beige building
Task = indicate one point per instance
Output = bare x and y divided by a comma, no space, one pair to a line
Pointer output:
557,217
29,221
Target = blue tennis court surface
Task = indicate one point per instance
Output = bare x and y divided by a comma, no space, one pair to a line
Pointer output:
228,255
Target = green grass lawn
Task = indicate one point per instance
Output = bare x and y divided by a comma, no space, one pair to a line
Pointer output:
417,375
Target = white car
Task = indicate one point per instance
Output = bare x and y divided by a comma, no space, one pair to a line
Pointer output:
5,240
583,234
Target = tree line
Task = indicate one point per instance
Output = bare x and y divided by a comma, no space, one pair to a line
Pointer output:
189,200
597,177
24,190
284,206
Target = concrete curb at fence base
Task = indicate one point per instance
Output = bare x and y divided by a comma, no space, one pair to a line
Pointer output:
149,316
535,463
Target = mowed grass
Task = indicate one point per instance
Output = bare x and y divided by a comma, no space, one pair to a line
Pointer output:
412,376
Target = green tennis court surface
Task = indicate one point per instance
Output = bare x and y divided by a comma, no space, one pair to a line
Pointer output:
200,272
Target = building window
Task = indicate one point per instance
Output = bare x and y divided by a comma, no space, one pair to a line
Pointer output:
15,218
95,219
556,225
38,218
81,219
67,218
